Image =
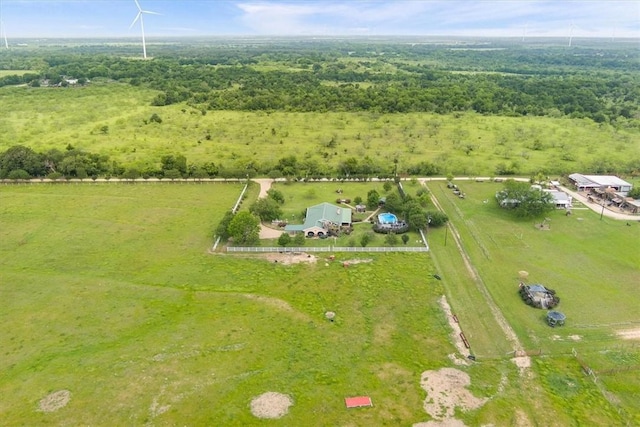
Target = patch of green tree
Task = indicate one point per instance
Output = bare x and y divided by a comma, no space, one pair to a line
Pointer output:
599,82
524,200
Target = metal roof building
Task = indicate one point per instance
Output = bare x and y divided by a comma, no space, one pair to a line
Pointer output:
587,182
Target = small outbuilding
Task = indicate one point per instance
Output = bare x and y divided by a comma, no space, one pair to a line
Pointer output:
560,199
555,318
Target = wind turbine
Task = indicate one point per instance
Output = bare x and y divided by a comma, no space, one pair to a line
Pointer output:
3,30
571,33
524,31
139,17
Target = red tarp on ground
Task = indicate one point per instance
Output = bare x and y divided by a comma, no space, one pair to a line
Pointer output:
355,402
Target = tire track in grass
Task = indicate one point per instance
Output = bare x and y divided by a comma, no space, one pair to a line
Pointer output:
493,307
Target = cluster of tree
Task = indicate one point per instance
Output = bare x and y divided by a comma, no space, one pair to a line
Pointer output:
507,81
297,240
416,210
268,208
20,162
243,228
524,200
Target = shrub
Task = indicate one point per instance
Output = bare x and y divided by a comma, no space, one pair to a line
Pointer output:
19,174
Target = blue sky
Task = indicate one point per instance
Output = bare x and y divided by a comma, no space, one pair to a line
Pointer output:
112,18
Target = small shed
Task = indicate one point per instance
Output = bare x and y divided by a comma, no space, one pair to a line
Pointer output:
357,402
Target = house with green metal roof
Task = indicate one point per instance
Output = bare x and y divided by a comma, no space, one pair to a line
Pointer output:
322,218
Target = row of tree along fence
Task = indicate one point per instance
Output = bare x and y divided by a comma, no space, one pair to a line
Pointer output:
326,249
119,181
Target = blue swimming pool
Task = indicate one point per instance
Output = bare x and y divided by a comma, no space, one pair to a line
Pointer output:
387,218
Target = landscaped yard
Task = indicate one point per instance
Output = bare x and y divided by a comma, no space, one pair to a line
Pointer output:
300,196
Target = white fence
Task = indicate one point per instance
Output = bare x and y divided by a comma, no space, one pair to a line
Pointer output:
325,249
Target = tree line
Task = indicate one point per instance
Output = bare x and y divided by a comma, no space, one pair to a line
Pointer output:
22,162
596,83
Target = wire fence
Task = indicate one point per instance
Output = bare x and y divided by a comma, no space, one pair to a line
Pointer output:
601,386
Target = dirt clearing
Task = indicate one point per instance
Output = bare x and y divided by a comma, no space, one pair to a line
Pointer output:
447,390
271,405
629,334
455,335
288,258
54,401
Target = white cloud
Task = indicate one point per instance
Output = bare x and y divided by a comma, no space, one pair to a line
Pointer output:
464,17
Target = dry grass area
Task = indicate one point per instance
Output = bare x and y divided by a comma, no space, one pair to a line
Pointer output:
447,390
54,401
629,334
271,405
288,258
455,335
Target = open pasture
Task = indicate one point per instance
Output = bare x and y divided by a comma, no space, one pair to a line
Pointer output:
110,294
4,73
463,144
592,263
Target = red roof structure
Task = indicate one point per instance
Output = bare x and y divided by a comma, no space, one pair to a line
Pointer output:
357,402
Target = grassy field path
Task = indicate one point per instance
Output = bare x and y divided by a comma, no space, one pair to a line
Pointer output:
497,314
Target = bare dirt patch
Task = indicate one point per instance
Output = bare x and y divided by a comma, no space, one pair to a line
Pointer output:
355,261
447,390
269,233
452,422
288,258
271,405
54,401
277,303
455,335
629,334
522,362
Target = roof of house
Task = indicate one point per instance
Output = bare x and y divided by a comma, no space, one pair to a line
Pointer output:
598,180
319,214
558,196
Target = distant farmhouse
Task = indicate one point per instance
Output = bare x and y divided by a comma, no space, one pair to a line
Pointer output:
560,199
323,220
608,190
600,182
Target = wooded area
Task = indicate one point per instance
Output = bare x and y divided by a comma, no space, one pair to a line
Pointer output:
597,82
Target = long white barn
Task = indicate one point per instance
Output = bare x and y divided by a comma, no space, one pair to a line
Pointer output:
587,182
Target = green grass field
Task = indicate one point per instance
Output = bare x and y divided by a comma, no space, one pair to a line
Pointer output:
15,72
463,144
591,263
109,292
